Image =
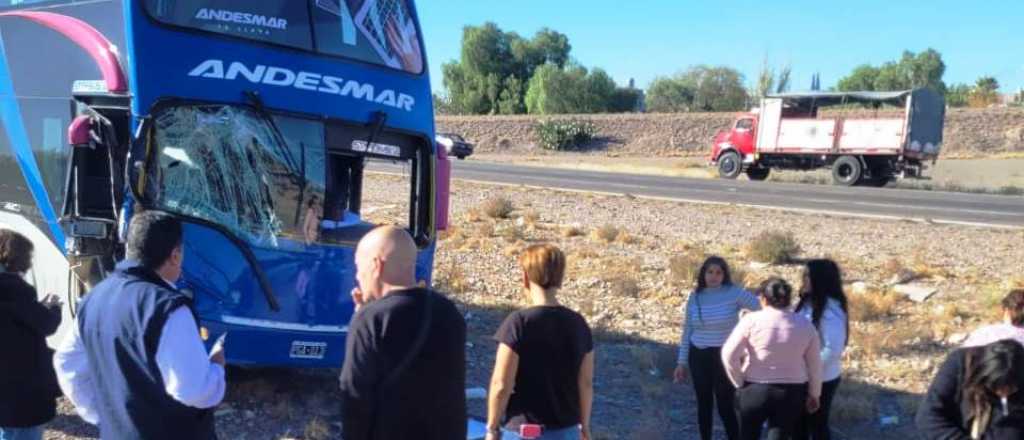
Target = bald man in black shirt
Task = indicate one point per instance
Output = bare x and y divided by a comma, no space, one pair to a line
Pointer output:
405,358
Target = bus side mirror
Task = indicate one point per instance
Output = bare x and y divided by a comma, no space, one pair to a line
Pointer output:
443,179
79,132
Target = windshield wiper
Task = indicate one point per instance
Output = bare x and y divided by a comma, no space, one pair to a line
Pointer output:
377,121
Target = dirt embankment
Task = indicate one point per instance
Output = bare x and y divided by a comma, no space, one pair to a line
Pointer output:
968,132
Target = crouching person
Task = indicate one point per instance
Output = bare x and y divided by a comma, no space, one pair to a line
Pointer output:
135,364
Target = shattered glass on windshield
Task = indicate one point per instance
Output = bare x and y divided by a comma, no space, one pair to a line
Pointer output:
224,165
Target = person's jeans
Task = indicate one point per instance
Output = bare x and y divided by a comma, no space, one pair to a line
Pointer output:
33,433
712,385
781,405
816,426
572,433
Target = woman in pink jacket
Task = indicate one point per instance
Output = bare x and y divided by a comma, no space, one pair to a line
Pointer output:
773,357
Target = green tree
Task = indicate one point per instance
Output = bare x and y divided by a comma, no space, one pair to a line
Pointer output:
765,81
782,84
669,95
510,101
924,69
717,88
958,95
700,88
891,76
494,67
861,79
985,92
573,89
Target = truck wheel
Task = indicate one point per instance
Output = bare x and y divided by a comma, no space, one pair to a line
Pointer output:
758,173
846,171
729,165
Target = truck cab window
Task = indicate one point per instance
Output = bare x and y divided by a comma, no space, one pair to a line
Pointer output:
745,124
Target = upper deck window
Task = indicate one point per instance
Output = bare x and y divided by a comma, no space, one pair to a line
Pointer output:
277,21
375,31
382,32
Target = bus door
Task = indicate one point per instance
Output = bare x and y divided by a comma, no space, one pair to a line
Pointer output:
94,187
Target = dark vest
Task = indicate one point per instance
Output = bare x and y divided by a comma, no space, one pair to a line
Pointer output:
120,322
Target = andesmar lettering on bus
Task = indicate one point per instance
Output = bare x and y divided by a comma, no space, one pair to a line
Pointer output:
316,82
242,18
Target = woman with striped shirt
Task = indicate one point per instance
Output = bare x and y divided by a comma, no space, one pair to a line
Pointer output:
712,311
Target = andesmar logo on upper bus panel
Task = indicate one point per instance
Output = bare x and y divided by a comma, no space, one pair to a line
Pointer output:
241,18
315,82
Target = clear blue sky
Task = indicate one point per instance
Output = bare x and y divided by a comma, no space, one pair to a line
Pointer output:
648,38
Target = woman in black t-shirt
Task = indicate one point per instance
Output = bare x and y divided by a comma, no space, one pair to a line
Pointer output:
542,387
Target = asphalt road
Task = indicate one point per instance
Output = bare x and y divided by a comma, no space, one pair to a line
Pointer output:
929,206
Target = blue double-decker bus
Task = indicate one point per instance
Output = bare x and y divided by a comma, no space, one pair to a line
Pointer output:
259,123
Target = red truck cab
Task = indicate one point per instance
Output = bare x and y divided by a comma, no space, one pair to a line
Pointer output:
735,146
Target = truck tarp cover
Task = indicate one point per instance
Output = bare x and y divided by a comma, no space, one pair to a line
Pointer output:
927,112
822,99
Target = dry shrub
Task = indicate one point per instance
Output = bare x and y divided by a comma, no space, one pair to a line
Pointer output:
947,319
486,229
624,287
683,268
626,238
452,279
497,207
513,250
606,232
512,233
873,305
892,267
531,217
615,267
870,342
586,307
317,429
775,247
586,253
741,277
856,403
923,265
473,216
571,231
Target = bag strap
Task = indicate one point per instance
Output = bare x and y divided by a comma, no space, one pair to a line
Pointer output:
415,349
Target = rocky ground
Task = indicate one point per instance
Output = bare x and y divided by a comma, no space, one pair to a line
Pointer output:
631,262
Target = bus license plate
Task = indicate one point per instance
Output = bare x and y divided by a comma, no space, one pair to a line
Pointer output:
308,350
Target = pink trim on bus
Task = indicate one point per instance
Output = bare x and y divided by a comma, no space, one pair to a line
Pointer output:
443,179
88,38
78,131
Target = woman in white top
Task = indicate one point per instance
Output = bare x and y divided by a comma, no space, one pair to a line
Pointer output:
823,302
712,312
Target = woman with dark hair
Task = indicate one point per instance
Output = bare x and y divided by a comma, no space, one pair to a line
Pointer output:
823,302
976,395
712,312
28,383
773,358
